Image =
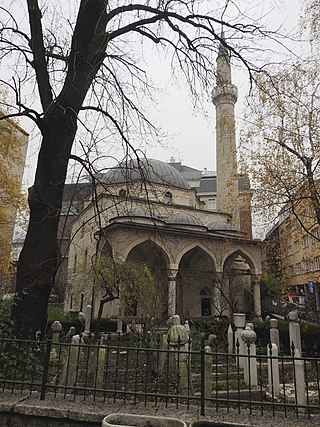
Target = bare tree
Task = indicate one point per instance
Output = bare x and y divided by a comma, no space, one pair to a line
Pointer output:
83,60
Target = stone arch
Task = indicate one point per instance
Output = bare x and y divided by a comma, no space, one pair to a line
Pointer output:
196,273
233,253
239,269
155,258
194,246
137,242
147,251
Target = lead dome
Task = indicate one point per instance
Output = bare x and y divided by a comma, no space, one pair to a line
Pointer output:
149,170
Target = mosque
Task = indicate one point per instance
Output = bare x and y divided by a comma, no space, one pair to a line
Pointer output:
192,229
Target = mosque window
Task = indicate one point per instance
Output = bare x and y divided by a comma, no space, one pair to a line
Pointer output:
205,303
168,198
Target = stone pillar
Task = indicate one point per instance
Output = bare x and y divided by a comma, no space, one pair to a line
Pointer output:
56,328
230,340
219,287
250,364
87,319
294,331
239,320
119,324
69,372
274,333
256,296
299,380
179,339
273,371
172,292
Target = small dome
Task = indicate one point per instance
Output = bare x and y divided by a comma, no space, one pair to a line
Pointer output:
240,266
149,170
222,226
185,219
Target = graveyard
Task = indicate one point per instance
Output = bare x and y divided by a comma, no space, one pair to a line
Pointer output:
174,367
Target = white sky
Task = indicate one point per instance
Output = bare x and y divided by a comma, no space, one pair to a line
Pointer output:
192,133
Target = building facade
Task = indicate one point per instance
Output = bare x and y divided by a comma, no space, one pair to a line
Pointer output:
299,250
192,229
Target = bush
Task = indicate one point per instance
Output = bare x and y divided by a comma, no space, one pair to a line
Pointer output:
204,327
310,337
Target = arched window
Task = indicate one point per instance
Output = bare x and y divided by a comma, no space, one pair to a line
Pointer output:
205,303
168,198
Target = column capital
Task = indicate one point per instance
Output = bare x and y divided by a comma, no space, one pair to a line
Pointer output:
172,273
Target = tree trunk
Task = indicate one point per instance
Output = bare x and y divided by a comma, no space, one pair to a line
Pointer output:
40,255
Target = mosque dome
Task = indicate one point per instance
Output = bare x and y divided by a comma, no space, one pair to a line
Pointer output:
150,170
184,219
222,226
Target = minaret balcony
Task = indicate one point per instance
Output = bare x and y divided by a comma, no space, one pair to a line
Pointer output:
227,93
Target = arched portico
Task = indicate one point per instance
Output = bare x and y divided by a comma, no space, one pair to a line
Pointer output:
196,281
153,256
241,284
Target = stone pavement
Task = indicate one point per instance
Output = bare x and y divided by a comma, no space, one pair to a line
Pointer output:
88,413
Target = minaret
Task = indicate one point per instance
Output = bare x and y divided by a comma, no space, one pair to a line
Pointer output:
224,97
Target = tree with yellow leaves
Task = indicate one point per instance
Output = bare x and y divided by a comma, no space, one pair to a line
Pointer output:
281,142
13,144
135,286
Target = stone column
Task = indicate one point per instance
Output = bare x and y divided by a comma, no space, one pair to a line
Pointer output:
294,331
239,320
56,328
274,333
250,366
256,295
172,292
220,286
230,339
87,318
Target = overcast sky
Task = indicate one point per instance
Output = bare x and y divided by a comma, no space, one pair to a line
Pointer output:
191,133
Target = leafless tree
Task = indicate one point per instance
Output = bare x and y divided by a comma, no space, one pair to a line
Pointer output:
84,60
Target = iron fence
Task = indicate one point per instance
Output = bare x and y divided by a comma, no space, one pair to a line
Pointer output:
151,372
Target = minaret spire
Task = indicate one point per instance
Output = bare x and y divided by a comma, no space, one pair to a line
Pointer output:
224,97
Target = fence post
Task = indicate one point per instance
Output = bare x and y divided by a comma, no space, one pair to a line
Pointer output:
273,371
208,373
202,372
299,381
45,369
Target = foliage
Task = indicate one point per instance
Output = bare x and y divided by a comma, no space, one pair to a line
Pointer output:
132,284
311,18
203,328
5,322
280,145
12,200
271,291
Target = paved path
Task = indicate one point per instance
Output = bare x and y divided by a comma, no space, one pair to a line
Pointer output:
93,412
